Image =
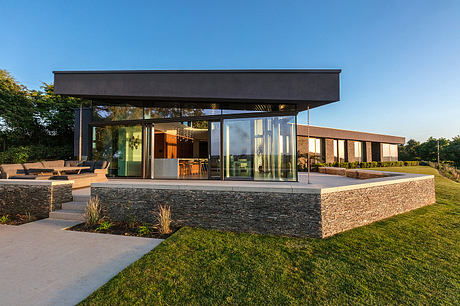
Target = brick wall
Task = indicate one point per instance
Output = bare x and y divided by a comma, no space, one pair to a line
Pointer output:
302,145
368,151
329,150
350,151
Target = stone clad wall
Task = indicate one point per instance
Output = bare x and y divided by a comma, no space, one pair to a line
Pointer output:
36,199
345,210
60,194
256,212
297,213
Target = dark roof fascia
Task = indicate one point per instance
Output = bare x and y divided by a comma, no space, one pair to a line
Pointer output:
197,71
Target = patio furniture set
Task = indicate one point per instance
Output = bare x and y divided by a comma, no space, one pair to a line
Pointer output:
81,173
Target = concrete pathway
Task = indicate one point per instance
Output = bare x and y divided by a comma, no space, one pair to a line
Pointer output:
42,264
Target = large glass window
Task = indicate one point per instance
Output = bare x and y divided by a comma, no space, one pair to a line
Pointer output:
358,151
181,150
339,150
116,113
215,154
314,146
389,152
121,146
260,148
161,112
194,112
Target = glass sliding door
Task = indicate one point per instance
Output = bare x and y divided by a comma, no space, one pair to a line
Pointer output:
181,150
260,148
121,146
238,148
148,142
214,150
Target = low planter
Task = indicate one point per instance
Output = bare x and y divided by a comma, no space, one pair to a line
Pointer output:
124,229
17,219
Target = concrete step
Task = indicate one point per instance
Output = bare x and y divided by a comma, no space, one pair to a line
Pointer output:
81,206
81,198
67,214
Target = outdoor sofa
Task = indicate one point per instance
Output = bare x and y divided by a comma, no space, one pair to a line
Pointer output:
95,172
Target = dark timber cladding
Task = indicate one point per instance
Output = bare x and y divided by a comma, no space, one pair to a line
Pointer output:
300,87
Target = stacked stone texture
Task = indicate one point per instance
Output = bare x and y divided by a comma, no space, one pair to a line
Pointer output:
292,214
345,210
38,200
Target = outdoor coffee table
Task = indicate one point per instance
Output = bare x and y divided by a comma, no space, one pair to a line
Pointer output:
58,170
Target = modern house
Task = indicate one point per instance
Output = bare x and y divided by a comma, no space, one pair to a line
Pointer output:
236,127
334,145
200,124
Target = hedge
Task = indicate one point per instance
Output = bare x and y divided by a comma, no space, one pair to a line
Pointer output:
354,165
23,154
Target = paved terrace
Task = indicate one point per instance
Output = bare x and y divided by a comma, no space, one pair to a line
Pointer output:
43,264
320,183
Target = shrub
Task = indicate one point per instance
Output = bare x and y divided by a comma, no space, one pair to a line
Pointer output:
144,230
15,155
23,154
93,212
103,226
4,219
355,165
163,216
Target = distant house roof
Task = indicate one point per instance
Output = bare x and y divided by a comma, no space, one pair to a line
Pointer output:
302,87
324,132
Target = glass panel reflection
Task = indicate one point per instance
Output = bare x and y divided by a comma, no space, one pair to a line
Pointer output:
161,112
181,150
116,113
214,156
260,148
121,146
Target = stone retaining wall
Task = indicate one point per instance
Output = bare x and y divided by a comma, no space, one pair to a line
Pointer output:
36,198
258,212
303,213
344,210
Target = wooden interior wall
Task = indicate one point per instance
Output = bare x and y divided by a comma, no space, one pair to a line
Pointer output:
170,146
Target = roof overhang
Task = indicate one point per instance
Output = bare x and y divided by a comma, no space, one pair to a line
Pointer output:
302,87
324,132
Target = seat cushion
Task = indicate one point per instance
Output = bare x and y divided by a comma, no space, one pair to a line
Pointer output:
88,163
30,177
8,170
28,166
70,177
100,164
71,163
53,163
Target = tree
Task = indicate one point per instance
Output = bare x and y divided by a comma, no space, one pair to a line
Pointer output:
452,151
36,118
17,110
410,151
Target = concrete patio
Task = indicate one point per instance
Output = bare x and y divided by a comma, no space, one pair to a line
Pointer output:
42,264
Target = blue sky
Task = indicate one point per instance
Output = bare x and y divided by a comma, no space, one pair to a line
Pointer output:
400,59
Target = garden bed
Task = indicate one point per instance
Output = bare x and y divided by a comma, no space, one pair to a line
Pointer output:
124,229
17,219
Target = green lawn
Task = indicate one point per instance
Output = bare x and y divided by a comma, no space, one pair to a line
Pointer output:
411,258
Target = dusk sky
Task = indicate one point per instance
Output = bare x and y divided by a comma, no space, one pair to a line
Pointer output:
400,60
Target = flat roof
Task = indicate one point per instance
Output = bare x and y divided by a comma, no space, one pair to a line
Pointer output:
325,132
301,87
